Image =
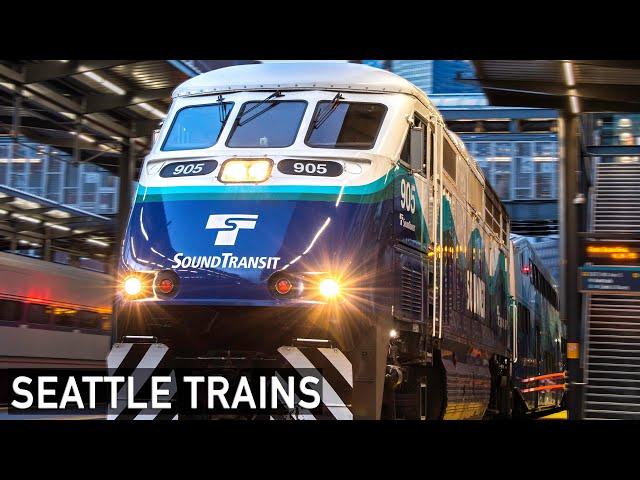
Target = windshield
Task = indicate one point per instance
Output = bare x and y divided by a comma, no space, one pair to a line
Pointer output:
198,126
349,125
269,124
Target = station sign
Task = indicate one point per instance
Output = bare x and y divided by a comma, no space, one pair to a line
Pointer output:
608,253
617,280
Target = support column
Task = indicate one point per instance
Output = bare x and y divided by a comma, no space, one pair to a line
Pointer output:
127,168
127,174
570,248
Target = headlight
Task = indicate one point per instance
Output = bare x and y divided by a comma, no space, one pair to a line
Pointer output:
329,288
138,285
245,171
132,286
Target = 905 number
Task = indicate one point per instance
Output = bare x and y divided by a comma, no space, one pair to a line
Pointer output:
310,167
187,169
407,196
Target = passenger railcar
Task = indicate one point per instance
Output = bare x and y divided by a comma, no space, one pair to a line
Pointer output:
288,208
52,315
540,335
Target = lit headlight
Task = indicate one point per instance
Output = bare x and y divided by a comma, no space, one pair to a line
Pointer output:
138,285
329,288
245,171
132,286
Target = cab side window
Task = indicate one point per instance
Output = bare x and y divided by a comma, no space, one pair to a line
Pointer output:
405,154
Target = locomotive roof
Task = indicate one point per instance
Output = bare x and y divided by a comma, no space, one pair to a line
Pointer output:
338,76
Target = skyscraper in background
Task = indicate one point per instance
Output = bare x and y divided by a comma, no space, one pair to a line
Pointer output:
446,73
418,72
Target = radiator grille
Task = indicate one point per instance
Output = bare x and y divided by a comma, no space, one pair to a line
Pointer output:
411,291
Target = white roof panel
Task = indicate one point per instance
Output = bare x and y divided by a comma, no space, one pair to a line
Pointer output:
299,76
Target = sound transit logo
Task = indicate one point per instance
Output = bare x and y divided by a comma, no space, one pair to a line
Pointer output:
229,225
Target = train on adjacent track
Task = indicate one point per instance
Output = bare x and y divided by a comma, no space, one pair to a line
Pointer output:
53,315
320,215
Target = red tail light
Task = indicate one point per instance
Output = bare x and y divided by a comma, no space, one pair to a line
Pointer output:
166,286
283,286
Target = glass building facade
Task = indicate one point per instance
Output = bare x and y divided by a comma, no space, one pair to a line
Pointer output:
519,168
418,72
44,171
446,73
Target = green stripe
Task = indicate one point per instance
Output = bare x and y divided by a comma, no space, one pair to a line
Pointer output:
380,189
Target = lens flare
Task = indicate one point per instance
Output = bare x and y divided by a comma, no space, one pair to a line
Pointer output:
329,288
132,286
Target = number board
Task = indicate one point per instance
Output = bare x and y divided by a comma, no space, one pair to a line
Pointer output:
310,167
188,169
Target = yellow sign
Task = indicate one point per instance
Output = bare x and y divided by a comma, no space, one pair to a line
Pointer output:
573,350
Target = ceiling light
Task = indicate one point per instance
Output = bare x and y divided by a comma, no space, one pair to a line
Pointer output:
57,227
25,218
95,241
105,83
152,110
58,214
25,204
84,137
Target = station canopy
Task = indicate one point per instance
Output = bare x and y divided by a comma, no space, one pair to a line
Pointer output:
89,108
35,222
580,86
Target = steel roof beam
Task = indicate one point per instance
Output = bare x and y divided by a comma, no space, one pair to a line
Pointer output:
588,91
103,102
62,142
54,69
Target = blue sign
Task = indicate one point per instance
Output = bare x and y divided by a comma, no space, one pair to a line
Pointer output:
616,280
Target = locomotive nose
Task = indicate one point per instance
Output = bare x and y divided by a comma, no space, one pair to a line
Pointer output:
224,251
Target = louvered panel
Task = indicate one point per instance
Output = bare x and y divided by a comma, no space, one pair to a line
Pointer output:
411,291
617,198
613,358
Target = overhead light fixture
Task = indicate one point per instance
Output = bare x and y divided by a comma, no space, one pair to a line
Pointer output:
84,137
58,214
20,160
25,218
105,83
152,110
567,68
57,227
95,241
24,204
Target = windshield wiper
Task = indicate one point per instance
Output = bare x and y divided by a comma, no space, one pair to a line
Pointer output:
239,122
222,112
321,118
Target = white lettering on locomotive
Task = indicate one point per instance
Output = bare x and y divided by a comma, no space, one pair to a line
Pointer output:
475,294
226,260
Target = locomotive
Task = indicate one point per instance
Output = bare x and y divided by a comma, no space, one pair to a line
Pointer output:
321,215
